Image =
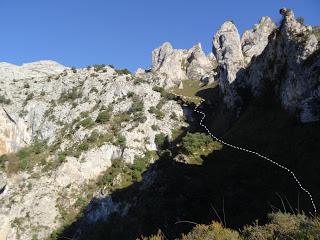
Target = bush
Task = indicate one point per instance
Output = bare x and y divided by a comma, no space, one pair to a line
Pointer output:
130,94
174,116
29,97
158,113
137,105
98,67
138,81
3,159
192,142
284,226
4,100
87,122
25,159
155,127
214,231
120,141
139,117
70,95
164,94
26,85
74,70
123,71
160,140
103,117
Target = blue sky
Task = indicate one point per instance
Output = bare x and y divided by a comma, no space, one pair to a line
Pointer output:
124,32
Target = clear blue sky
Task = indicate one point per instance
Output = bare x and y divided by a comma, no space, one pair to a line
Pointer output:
124,32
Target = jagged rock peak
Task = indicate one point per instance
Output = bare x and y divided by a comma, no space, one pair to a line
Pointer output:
227,50
254,41
160,54
175,65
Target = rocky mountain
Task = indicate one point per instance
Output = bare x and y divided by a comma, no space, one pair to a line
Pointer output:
67,126
100,153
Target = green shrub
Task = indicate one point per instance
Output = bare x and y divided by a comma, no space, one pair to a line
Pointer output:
3,159
137,105
29,97
103,117
98,67
164,94
155,127
121,117
214,231
130,94
74,70
4,100
70,95
139,117
25,159
160,140
192,142
138,81
87,122
284,226
123,71
158,113
94,89
26,85
120,141
174,116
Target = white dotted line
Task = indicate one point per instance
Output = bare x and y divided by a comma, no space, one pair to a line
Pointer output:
246,150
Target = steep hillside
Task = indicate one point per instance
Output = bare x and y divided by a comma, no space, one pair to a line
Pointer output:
100,153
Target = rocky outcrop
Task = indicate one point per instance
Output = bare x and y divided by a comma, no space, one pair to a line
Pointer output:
227,50
176,65
14,134
254,41
59,107
288,65
30,70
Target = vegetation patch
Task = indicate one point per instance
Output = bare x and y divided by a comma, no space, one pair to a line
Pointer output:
197,145
123,71
25,159
4,100
190,90
281,226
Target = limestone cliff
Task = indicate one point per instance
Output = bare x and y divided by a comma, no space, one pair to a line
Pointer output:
285,59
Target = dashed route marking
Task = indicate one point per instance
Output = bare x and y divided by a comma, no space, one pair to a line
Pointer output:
247,150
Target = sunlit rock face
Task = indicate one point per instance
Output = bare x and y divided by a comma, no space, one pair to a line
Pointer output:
13,133
254,41
175,65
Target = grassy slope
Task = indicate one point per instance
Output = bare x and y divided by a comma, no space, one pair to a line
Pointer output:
190,89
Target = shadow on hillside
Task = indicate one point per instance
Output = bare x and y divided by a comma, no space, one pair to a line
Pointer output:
231,186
